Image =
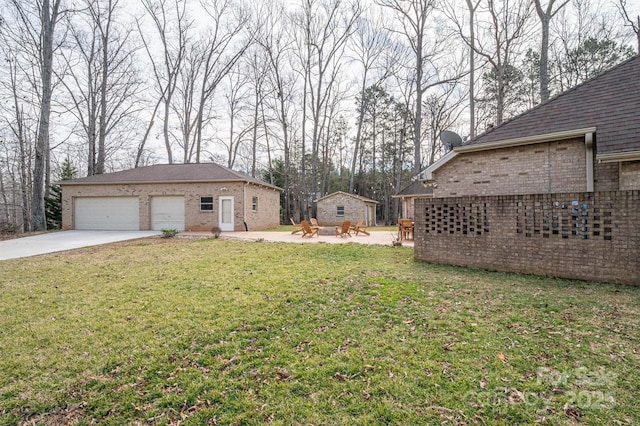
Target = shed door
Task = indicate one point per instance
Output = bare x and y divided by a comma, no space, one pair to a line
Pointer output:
167,213
107,213
225,217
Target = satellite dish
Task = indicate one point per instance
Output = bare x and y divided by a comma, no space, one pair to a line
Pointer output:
450,139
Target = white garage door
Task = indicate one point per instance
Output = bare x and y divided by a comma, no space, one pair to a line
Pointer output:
167,213
107,213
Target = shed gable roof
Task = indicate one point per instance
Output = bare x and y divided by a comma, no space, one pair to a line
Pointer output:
170,173
357,197
609,102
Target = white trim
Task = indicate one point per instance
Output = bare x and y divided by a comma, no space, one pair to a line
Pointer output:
427,174
618,156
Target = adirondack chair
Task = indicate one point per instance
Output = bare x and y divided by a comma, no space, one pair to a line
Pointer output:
297,227
308,229
344,230
314,222
360,227
405,228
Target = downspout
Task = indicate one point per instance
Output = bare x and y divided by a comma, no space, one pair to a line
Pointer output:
588,143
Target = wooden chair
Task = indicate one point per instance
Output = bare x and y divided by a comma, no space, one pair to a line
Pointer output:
314,222
297,227
308,229
405,228
360,227
345,230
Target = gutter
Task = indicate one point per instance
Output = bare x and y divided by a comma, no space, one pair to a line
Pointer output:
528,140
588,144
618,156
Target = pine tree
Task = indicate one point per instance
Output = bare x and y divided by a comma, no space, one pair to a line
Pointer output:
53,203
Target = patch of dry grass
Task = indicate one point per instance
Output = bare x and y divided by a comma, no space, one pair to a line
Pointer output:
230,332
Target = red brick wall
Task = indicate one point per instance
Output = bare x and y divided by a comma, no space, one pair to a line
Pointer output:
586,236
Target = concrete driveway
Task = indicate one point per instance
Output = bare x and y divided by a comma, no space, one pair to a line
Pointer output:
65,240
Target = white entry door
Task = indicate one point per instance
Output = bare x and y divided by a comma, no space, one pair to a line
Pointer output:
225,215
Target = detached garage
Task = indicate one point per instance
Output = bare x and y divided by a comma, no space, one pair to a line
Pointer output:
191,197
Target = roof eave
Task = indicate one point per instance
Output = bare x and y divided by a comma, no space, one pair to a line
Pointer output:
618,157
526,140
357,197
427,174
156,182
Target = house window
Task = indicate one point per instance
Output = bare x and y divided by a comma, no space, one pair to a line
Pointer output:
339,210
254,204
206,204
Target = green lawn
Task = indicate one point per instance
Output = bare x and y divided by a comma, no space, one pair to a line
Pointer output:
226,332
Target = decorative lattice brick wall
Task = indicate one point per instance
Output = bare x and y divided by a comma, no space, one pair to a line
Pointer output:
587,236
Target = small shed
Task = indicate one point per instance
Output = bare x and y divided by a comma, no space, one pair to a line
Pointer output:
335,208
408,195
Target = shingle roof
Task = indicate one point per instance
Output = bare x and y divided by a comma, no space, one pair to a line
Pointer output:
610,102
201,172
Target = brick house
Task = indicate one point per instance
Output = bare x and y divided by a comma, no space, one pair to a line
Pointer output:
333,209
585,139
554,191
193,197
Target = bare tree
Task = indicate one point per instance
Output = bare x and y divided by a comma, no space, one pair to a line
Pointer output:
545,15
370,44
635,25
21,125
227,42
326,26
102,78
588,36
472,66
281,81
185,102
256,64
237,109
506,26
35,29
170,20
442,112
426,47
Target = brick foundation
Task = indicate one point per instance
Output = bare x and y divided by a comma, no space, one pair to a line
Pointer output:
591,236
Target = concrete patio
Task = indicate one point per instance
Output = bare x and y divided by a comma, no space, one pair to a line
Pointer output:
384,238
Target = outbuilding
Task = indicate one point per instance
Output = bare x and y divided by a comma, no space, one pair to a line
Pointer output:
192,197
335,208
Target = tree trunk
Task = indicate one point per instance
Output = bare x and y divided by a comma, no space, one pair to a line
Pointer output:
49,15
